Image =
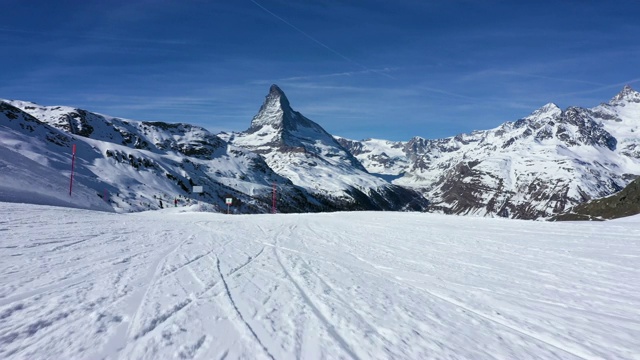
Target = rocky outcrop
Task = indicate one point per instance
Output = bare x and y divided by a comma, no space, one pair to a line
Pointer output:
621,204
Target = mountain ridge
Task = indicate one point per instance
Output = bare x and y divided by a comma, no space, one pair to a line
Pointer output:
507,171
534,167
148,164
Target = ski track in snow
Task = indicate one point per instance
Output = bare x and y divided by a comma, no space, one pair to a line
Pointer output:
78,284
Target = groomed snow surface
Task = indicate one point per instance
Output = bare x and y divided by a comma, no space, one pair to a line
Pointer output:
181,284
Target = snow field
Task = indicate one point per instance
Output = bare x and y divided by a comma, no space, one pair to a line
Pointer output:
78,284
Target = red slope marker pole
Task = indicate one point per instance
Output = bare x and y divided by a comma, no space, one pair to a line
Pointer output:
73,163
273,205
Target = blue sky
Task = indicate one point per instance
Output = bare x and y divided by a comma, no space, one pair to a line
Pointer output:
361,69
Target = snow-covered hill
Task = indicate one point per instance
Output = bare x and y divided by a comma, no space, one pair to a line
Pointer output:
302,151
137,165
175,284
534,167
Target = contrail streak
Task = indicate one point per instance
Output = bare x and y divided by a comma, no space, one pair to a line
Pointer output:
319,42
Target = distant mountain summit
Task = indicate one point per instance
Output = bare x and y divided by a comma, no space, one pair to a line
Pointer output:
301,150
134,165
626,95
278,127
276,112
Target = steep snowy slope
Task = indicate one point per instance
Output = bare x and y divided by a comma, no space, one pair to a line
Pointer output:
531,168
621,118
302,151
39,172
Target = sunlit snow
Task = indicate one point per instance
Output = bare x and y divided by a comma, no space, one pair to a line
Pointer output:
177,283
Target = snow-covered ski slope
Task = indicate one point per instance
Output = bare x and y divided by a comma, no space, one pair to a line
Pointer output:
179,284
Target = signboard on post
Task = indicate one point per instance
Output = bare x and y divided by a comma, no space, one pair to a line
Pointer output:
228,201
197,190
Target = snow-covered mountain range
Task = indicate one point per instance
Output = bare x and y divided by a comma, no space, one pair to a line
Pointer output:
133,165
534,167
531,168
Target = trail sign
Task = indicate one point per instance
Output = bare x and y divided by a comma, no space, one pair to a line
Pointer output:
228,201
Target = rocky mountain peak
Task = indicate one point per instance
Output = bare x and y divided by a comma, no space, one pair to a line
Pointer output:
278,118
279,128
627,94
277,98
275,112
550,107
549,110
275,91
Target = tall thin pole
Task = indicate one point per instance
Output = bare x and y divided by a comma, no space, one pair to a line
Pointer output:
273,206
73,163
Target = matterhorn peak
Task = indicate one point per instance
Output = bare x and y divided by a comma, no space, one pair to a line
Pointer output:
275,89
276,113
626,95
276,95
